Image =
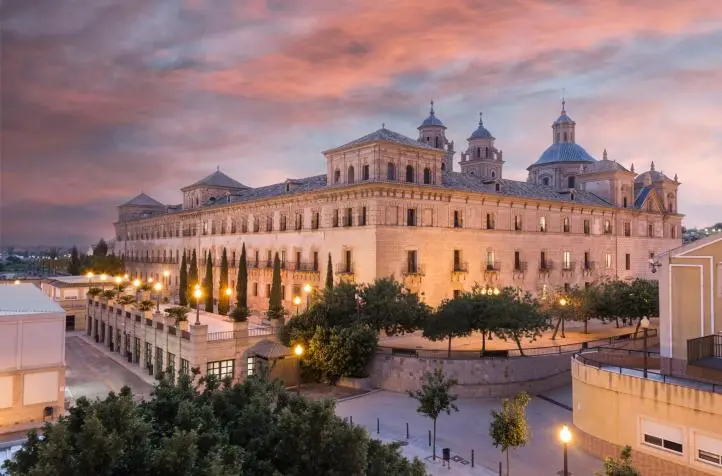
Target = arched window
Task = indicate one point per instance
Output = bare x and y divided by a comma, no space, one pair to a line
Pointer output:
336,176
409,174
493,174
486,152
443,166
350,176
436,142
565,137
557,137
391,171
427,176
570,182
478,151
545,180
624,200
670,202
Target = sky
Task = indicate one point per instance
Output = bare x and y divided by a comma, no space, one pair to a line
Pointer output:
103,99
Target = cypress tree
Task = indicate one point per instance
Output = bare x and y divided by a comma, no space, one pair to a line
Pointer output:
208,283
223,299
183,281
74,264
242,281
275,309
192,273
329,274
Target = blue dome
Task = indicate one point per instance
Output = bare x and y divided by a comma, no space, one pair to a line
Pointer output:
563,118
481,132
432,120
564,152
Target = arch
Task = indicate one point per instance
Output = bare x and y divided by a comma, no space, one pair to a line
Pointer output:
427,176
443,166
409,174
624,200
478,151
670,202
436,142
493,174
565,137
391,171
336,176
545,180
350,175
571,182
486,152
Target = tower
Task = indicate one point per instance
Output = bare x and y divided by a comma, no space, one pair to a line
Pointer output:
433,132
482,158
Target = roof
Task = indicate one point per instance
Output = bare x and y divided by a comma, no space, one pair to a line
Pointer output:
78,281
143,200
269,350
385,135
564,119
653,175
26,298
481,132
432,120
217,179
604,166
301,185
564,152
642,197
515,188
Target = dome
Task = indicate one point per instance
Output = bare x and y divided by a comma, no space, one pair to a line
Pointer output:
564,119
432,120
481,132
564,152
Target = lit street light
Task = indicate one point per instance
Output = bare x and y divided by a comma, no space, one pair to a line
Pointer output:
565,435
158,288
197,293
229,293
103,279
307,288
645,327
299,352
296,302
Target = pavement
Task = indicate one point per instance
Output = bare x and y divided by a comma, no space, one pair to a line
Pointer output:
469,429
92,373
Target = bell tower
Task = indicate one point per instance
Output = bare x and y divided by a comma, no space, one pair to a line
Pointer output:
482,158
433,132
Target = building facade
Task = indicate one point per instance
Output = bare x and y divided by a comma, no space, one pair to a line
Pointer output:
71,293
32,358
389,205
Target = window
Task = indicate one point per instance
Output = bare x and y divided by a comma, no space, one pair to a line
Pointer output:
587,263
185,367
489,221
709,457
570,182
490,261
409,174
269,258
284,222
362,217
565,137
268,290
257,253
673,231
662,436
650,230
456,293
411,217
545,180
608,260
709,450
542,224
517,261
365,172
283,259
627,261
567,260
221,368
347,261
315,260
542,260
427,176
458,222
411,263
607,227
457,261
348,217
315,219
565,225
171,365
335,218
624,202
587,227
497,187
283,292
391,171
517,222
350,175
627,228
269,223
337,176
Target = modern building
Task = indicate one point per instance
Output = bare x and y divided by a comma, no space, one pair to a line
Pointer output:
390,205
672,418
32,358
71,293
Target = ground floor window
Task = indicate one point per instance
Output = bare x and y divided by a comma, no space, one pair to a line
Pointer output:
185,367
171,366
221,368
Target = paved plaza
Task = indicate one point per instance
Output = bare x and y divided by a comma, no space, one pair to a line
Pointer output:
92,373
574,335
469,429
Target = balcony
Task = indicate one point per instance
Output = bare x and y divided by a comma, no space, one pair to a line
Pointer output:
546,266
520,267
302,267
460,267
568,267
413,269
344,268
704,357
588,268
491,267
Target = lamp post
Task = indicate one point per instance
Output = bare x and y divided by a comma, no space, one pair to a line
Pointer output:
563,302
89,275
229,293
197,293
158,290
645,327
296,302
136,285
166,276
565,435
307,288
299,352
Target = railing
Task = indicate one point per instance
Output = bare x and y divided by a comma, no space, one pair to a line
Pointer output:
520,267
344,268
506,353
494,267
704,348
414,270
262,331
309,267
569,266
546,266
587,358
226,335
460,267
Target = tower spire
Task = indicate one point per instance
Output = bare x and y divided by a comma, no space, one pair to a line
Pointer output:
564,101
481,118
651,167
431,111
604,154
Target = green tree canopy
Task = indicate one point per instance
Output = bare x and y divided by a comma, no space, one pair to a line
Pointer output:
183,281
508,427
242,281
388,306
519,317
223,298
619,467
329,273
208,283
275,306
212,428
453,318
193,276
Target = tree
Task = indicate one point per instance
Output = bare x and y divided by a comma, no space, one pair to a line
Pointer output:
53,255
329,273
435,397
509,428
389,306
207,427
643,300
452,319
208,283
223,298
126,300
340,352
101,249
519,317
242,281
193,276
486,311
74,263
275,308
183,281
619,467
178,313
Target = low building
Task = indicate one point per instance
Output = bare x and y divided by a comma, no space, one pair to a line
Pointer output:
70,292
209,342
667,407
32,358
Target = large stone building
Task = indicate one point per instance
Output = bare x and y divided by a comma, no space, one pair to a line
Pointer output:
390,205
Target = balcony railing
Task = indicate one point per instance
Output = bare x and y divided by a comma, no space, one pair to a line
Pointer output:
520,267
704,348
460,267
545,266
302,266
344,268
491,267
568,266
414,269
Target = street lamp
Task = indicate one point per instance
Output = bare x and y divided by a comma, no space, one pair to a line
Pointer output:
645,327
197,293
297,301
563,302
229,293
89,275
565,435
166,275
158,288
299,352
103,279
307,288
359,301
136,285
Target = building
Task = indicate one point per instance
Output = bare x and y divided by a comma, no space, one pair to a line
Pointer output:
673,417
390,205
209,342
32,358
70,292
